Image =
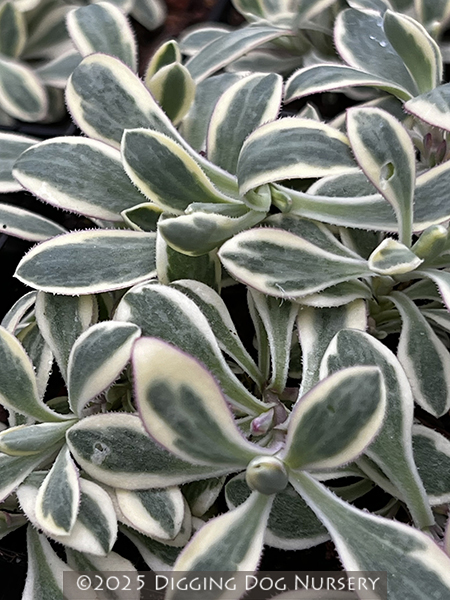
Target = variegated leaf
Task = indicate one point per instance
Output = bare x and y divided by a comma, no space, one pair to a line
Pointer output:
62,185
187,184
158,556
201,495
194,38
177,397
97,358
432,107
308,9
188,329
11,147
194,126
386,154
116,450
310,149
167,54
362,42
366,211
200,232
222,51
248,103
232,541
172,265
18,311
332,77
316,328
88,262
113,562
95,528
142,217
392,448
102,27
45,569
393,258
442,281
259,258
337,295
431,243
27,440
336,420
18,386
424,357
40,354
292,525
215,310
27,225
151,13
432,456
157,512
21,93
434,15
56,72
416,47
13,32
58,498
61,320
173,87
129,106
47,33
417,567
16,468
278,318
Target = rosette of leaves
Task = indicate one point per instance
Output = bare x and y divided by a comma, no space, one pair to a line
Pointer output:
79,465
38,52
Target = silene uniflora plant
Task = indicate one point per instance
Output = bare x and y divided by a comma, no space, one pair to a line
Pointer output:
193,183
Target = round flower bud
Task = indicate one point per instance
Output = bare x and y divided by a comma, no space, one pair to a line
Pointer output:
267,475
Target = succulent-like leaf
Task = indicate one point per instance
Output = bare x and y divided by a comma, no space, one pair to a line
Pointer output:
12,146
231,542
18,311
201,495
193,39
393,258
189,330
173,87
61,320
416,47
187,184
194,126
116,450
40,354
365,542
336,420
327,77
422,288
88,262
247,104
21,93
158,556
27,225
432,456
45,569
386,154
392,448
361,41
167,54
200,232
424,357
142,217
13,33
292,525
258,257
337,295
278,318
18,386
97,359
56,72
432,107
310,149
316,329
177,397
58,498
156,512
27,440
62,185
151,13
16,468
220,52
95,528
102,27
215,310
